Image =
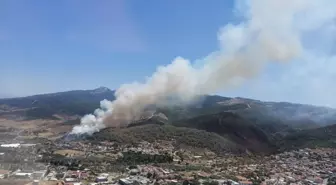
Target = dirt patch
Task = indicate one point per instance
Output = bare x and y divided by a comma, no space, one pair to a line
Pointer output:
45,134
48,183
60,128
69,152
39,127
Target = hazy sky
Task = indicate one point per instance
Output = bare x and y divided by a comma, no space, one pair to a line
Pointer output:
49,46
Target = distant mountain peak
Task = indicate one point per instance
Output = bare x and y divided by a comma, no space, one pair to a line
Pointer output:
101,90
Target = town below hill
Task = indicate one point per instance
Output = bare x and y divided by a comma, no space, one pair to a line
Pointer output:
216,140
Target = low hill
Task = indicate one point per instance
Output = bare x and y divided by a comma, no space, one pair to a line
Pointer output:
220,132
155,132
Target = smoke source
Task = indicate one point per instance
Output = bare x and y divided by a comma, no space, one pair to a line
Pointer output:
269,33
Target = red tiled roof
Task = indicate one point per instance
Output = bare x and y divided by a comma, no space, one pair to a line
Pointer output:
4,171
245,182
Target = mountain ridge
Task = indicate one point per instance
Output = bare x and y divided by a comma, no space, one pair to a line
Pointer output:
81,102
244,123
75,102
210,98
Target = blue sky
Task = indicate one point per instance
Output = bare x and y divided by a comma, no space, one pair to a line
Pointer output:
49,46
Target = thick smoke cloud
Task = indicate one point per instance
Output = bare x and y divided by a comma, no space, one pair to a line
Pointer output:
269,33
309,79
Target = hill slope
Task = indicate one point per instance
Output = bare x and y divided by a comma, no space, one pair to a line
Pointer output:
274,117
233,127
311,138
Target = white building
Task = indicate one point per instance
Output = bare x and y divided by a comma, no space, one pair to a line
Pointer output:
14,145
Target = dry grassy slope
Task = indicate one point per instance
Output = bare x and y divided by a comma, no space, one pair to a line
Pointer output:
26,129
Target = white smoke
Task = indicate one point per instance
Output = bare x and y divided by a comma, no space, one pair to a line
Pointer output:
269,33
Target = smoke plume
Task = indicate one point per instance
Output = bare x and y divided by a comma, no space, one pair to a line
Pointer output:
268,33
